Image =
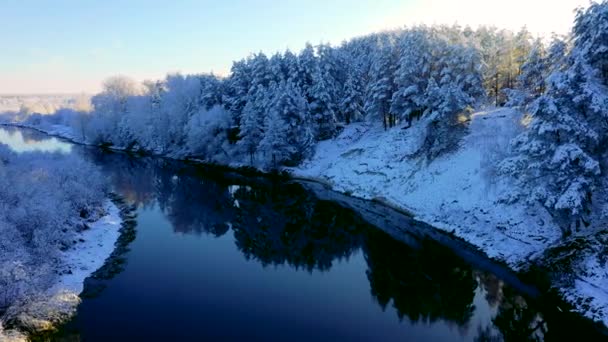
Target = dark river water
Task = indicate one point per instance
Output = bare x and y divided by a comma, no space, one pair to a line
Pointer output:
219,256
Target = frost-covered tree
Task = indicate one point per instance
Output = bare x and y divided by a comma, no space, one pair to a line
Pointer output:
557,156
206,135
110,106
44,200
253,120
591,36
307,64
531,81
381,87
236,89
179,103
447,114
412,75
322,105
351,105
288,128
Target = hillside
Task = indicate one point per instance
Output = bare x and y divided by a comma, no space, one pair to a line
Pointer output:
461,192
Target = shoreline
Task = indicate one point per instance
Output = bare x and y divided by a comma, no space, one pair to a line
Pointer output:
516,263
90,253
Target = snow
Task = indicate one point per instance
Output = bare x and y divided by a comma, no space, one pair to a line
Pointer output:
591,289
457,192
89,255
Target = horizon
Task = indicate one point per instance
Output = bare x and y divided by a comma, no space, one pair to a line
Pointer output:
75,57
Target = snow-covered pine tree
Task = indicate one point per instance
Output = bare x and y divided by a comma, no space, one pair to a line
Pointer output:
307,64
253,121
591,36
236,89
531,81
275,66
261,74
557,53
522,45
412,75
322,105
352,103
556,161
381,88
288,133
448,114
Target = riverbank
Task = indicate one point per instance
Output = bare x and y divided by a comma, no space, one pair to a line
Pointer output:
462,193
367,162
88,252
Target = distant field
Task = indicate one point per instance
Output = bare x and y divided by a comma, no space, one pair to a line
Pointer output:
41,103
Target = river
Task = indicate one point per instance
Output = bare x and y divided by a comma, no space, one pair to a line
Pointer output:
217,255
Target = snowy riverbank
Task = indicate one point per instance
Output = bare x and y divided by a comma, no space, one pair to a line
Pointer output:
459,193
59,302
96,244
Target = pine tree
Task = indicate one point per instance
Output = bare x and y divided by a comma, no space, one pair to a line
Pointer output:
307,64
531,81
557,156
380,90
412,75
252,121
322,105
288,129
352,102
236,89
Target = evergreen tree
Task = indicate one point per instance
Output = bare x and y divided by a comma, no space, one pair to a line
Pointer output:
307,64
352,102
380,90
557,156
531,81
288,129
322,105
236,89
412,75
252,121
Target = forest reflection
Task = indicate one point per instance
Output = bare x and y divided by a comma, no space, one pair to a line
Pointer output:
277,223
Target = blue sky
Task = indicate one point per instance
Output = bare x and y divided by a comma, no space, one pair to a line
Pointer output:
71,46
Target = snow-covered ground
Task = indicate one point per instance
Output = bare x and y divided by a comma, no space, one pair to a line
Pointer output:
458,192
95,246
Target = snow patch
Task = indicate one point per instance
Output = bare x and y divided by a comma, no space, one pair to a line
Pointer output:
95,246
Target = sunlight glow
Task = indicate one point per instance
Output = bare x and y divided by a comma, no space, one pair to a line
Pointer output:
541,17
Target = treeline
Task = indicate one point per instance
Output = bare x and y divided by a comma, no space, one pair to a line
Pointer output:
270,111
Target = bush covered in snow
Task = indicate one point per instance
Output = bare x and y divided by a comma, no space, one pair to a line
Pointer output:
45,199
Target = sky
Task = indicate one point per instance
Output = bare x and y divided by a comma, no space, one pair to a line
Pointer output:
71,46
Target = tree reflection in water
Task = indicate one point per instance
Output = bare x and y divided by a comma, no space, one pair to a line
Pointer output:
278,223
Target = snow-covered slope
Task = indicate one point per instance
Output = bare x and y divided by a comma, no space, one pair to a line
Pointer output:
458,192
461,193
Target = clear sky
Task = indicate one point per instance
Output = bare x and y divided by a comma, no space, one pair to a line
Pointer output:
62,46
